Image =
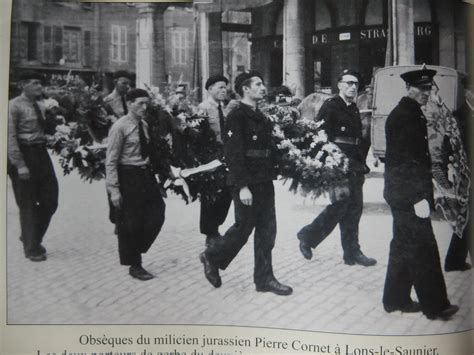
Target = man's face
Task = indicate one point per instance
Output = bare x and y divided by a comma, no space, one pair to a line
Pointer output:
218,91
122,85
256,90
420,94
32,87
138,106
348,86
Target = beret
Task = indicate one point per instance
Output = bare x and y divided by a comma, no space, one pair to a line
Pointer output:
419,78
123,74
29,75
135,94
241,78
348,72
215,79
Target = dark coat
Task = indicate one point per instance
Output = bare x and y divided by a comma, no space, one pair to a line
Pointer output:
341,120
249,150
407,159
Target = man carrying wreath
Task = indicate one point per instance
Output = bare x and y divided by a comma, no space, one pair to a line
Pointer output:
214,213
343,127
131,183
250,156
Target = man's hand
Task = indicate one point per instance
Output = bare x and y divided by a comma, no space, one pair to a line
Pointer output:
116,199
422,209
24,173
246,196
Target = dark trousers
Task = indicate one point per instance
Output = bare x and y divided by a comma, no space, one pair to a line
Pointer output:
141,215
345,212
414,261
259,216
37,197
458,249
213,214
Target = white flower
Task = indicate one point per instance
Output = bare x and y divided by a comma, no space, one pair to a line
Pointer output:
50,103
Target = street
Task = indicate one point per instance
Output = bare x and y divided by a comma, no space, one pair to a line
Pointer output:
83,283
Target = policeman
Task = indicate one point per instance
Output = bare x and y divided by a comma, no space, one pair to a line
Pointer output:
30,168
133,189
343,126
116,101
213,214
414,258
250,157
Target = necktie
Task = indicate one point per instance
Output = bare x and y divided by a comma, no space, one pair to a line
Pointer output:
124,104
39,114
144,144
221,122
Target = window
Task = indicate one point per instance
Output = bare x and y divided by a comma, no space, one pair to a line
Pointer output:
180,46
29,41
87,59
119,44
72,44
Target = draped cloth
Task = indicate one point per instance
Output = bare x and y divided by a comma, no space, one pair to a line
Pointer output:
451,174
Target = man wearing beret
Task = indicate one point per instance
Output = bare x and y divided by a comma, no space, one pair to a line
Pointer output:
116,101
30,168
343,127
414,258
213,214
250,157
133,189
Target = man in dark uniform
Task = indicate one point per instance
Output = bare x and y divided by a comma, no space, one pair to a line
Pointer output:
30,168
213,214
133,189
414,257
343,127
250,157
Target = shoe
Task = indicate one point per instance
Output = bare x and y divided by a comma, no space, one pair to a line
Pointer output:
210,271
463,267
412,307
140,273
360,259
445,314
275,287
41,249
36,258
305,249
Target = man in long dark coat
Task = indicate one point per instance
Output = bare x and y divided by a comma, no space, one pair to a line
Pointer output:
414,257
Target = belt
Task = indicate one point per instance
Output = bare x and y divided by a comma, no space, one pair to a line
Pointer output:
134,167
258,153
347,140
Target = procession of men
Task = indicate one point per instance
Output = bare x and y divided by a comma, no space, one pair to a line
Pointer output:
137,205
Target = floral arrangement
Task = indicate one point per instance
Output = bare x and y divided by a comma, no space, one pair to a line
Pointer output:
314,164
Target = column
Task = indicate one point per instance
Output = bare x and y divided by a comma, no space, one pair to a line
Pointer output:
293,47
150,62
404,32
447,39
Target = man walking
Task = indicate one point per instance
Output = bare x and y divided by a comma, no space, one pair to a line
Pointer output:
116,101
414,257
213,214
30,168
343,127
133,189
250,157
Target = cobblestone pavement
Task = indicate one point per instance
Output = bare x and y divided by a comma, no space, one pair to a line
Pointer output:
83,283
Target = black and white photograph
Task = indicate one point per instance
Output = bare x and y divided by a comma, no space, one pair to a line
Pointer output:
282,164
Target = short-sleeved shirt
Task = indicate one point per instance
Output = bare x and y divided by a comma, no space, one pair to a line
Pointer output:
210,108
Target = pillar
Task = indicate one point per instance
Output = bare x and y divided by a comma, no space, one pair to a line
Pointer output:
404,32
293,47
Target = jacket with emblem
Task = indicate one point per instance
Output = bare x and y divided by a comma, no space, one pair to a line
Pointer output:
250,152
342,122
408,177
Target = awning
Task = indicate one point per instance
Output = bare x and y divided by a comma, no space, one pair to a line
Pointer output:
228,5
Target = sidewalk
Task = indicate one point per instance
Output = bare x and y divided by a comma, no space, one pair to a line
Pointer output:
83,283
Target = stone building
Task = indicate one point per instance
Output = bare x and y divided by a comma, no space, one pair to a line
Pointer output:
304,43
